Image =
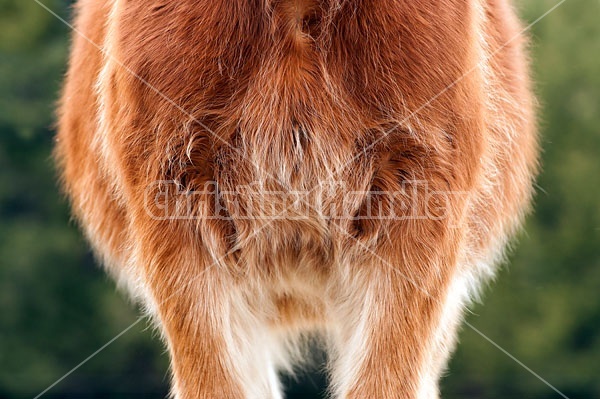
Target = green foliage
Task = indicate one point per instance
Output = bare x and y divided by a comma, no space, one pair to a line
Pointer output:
57,307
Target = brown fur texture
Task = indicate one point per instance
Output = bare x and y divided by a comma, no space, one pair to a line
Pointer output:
316,109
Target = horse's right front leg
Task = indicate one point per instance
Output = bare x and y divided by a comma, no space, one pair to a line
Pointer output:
216,343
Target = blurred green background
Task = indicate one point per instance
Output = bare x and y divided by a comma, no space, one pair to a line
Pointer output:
57,307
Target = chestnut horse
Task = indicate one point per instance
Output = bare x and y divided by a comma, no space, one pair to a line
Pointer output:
257,172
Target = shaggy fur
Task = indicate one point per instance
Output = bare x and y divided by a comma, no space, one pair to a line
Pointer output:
235,164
